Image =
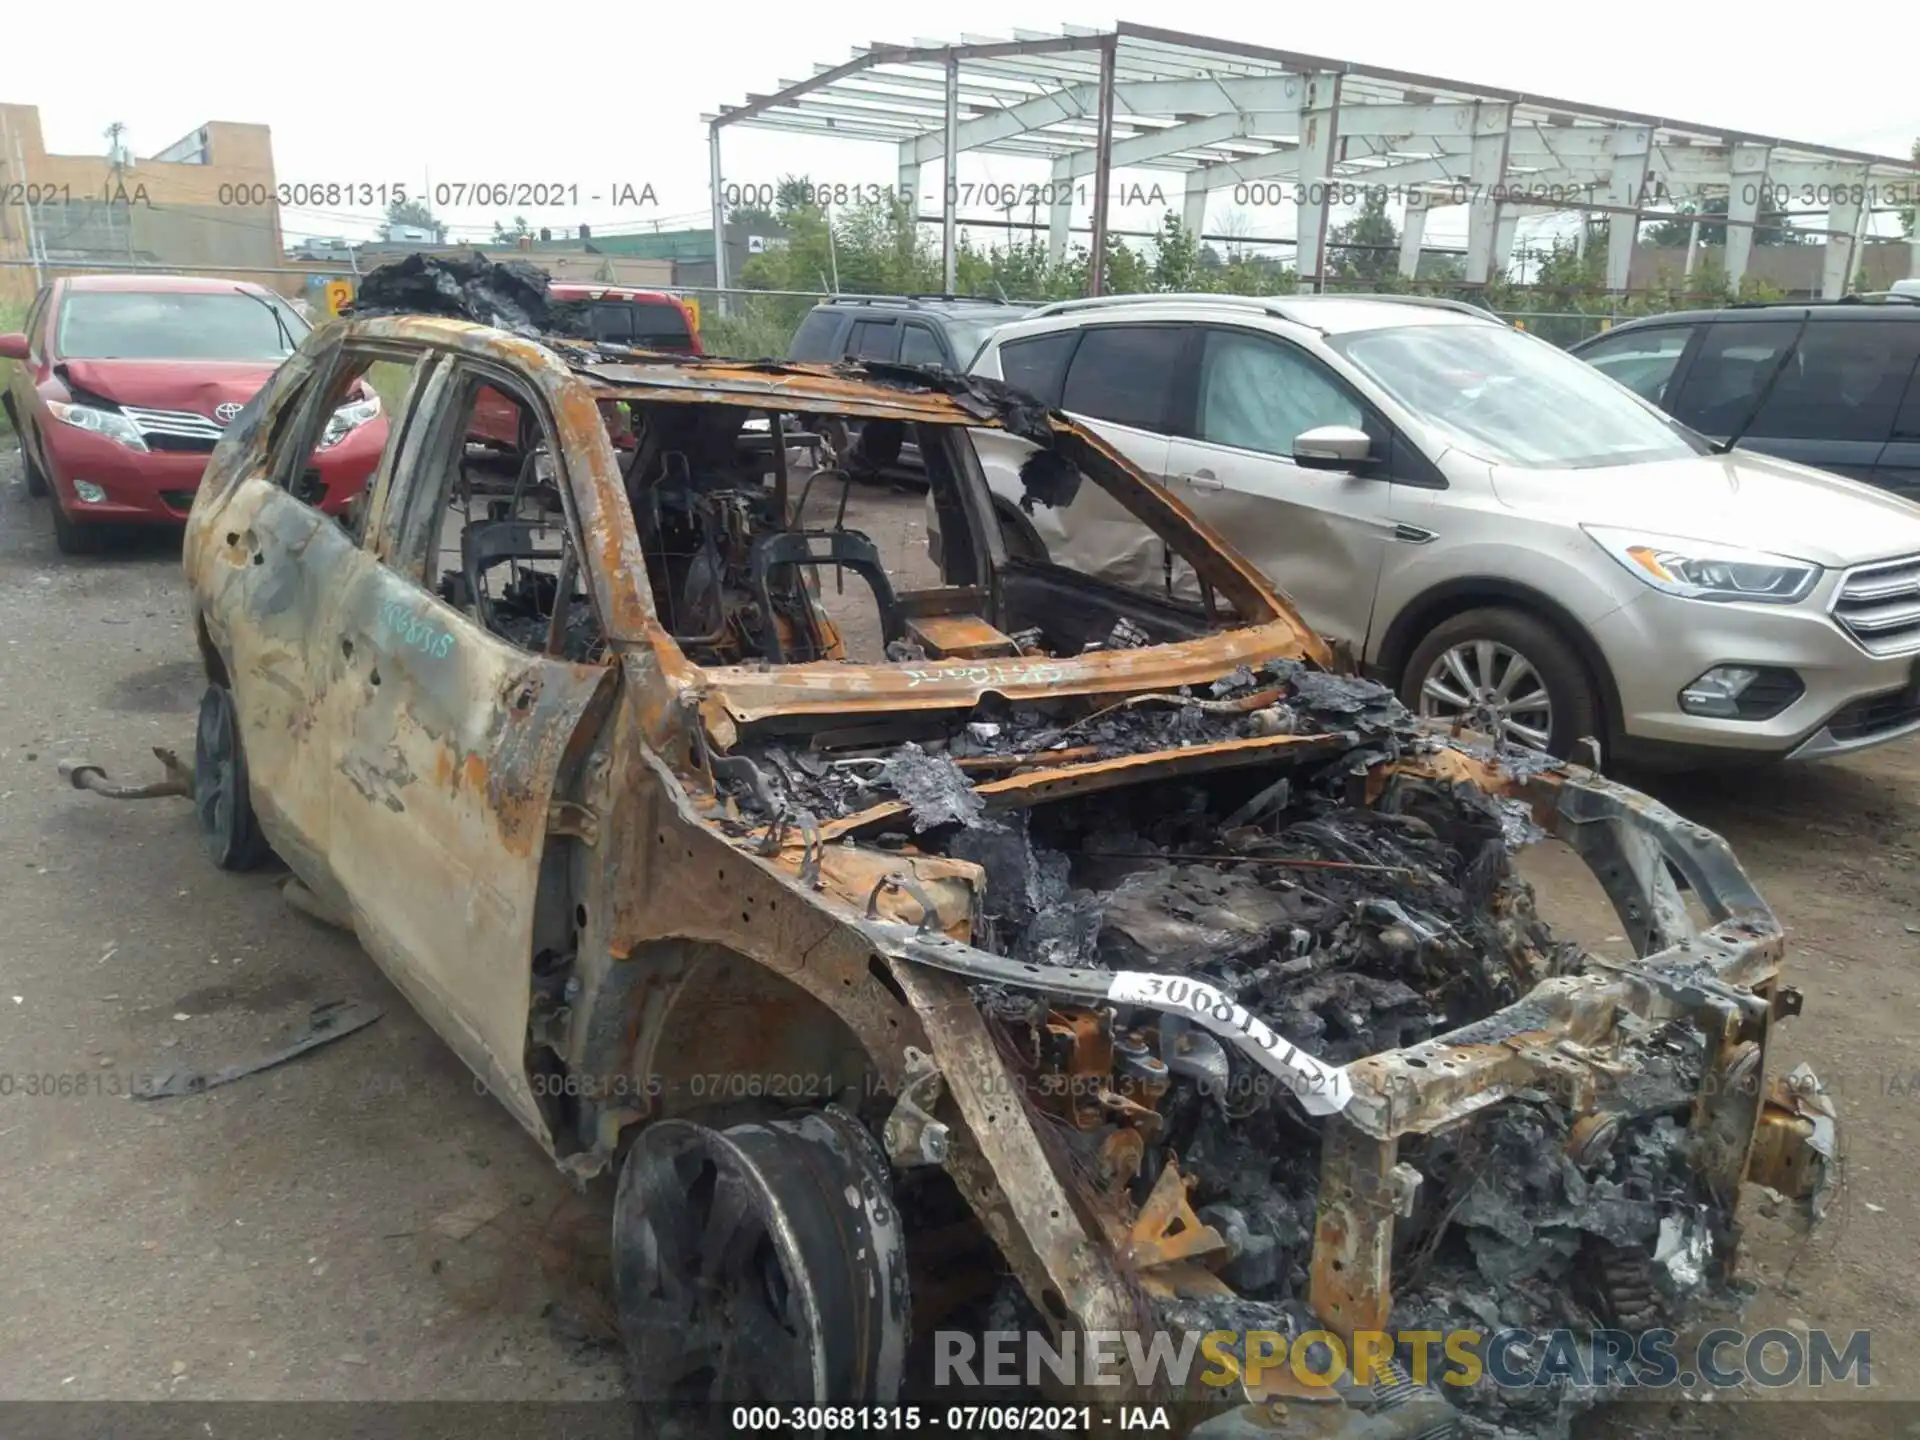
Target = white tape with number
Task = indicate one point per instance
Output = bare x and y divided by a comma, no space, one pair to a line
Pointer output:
1320,1088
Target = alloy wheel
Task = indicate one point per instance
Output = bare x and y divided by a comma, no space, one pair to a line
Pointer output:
1492,688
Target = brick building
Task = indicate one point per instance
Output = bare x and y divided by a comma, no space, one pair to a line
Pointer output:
208,200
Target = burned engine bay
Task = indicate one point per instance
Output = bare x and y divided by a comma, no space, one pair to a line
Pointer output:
1353,915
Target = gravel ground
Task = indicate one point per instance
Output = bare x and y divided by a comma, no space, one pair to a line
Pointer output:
362,1224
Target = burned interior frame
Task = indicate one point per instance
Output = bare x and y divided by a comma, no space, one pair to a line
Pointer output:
1109,945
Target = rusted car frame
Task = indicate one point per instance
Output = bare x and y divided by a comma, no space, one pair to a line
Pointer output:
554,861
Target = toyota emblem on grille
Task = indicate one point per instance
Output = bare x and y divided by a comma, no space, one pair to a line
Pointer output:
225,412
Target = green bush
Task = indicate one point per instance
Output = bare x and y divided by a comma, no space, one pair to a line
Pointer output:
13,315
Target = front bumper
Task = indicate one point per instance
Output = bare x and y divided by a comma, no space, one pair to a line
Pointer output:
1656,645
156,487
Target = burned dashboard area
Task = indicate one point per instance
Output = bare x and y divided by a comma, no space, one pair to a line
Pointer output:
1286,852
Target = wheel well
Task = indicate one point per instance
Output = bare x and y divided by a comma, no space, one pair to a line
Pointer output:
711,1029
1442,603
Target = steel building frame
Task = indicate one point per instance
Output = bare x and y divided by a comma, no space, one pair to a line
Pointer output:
1223,114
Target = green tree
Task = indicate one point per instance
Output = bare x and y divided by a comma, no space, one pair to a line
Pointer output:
412,213
1365,251
1176,257
513,232
1771,225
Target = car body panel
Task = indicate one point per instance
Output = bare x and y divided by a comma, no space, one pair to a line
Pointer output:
1327,532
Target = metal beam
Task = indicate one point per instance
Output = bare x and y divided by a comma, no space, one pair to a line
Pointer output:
1486,170
1103,172
1138,149
1319,141
1748,183
1844,218
1273,103
951,199
1626,189
1059,213
1413,229
719,211
1193,210
1399,121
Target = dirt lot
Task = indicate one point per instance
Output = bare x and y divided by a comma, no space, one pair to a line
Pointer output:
363,1224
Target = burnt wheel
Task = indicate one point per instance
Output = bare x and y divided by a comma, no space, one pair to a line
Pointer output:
222,802
763,1264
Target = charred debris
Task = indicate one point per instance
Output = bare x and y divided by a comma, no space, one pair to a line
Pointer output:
1351,928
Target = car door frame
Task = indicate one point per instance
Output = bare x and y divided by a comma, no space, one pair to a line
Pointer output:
447,748
267,567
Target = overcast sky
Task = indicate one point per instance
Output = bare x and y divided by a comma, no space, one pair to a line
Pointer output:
613,95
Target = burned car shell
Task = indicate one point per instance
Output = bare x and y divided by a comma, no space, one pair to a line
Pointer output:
474,808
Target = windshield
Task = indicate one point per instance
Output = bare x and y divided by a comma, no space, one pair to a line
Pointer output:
157,325
1512,399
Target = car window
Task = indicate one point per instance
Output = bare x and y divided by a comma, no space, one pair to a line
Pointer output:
1641,360
1845,382
967,333
346,441
659,326
1733,362
873,340
1039,365
1125,373
487,532
171,325
919,346
1257,394
647,324
1511,398
814,339
612,321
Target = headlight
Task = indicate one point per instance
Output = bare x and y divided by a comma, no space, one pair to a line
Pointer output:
108,423
1700,570
347,419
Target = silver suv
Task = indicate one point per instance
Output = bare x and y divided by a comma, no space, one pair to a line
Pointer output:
1498,530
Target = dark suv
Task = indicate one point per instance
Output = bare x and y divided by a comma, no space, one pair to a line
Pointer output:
1830,384
946,330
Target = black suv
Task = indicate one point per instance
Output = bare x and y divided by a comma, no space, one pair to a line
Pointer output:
1834,384
943,330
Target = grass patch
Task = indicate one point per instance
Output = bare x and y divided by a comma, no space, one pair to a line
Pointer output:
13,315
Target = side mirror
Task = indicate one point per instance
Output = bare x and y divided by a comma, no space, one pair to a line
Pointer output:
1332,447
13,347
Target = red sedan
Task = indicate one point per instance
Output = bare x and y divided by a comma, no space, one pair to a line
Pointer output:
125,383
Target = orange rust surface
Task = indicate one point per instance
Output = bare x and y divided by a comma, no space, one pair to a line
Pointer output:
959,637
749,695
1103,774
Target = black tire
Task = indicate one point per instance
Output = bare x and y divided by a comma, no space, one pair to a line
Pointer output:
1570,693
72,539
222,801
36,481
